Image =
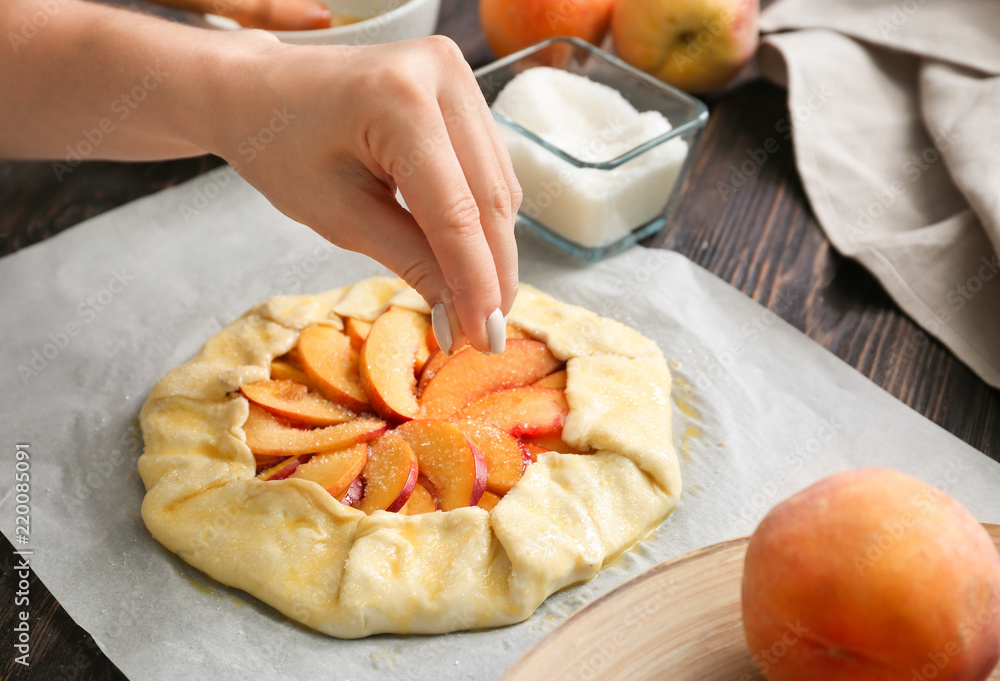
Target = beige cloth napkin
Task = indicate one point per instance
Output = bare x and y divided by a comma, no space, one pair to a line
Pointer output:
895,108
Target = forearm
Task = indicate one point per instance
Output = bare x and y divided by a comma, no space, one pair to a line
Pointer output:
96,82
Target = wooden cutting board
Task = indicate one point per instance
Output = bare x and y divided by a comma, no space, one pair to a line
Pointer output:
679,620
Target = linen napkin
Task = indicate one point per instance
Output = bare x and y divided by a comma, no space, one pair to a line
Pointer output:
895,118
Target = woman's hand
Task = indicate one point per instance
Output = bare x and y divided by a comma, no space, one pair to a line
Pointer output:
326,133
347,126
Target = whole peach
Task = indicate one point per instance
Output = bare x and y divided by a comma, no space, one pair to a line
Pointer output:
872,575
512,25
694,45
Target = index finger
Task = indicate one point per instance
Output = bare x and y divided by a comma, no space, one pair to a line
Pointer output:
426,169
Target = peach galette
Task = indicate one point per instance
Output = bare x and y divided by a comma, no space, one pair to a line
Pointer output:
322,454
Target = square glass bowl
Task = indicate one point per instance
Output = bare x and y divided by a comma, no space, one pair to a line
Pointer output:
593,208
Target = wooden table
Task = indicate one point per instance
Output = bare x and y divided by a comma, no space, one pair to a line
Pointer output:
764,241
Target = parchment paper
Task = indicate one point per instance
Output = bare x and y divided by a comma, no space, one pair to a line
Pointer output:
110,305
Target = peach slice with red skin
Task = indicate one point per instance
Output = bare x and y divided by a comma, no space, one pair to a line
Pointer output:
533,451
470,374
263,463
334,470
283,468
522,412
431,366
420,501
453,465
331,365
503,453
295,403
554,443
267,436
390,474
353,494
387,359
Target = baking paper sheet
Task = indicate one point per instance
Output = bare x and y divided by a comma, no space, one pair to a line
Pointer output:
92,318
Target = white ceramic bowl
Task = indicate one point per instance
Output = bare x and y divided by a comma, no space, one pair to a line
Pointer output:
391,20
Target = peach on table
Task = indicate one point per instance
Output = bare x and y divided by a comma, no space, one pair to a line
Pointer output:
881,575
512,25
694,45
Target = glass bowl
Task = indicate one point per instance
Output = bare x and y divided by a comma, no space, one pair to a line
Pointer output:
593,208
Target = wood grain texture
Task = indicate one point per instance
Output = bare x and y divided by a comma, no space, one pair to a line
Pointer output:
763,240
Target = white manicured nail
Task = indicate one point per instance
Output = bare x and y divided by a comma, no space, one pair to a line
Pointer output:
442,327
496,329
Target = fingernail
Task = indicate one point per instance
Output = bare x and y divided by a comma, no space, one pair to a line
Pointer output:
496,329
442,327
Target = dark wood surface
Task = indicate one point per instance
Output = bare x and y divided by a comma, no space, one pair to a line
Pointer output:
764,240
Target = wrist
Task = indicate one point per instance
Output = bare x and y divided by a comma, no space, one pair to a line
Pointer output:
233,84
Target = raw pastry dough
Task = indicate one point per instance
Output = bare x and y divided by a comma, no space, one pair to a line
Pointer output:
347,574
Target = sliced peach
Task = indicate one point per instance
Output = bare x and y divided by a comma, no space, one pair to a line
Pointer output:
557,379
454,466
283,468
431,366
425,483
488,501
263,463
331,365
294,402
357,330
334,470
503,453
283,370
353,494
266,436
390,474
387,359
532,451
431,340
420,501
423,353
553,443
470,374
527,412
291,357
